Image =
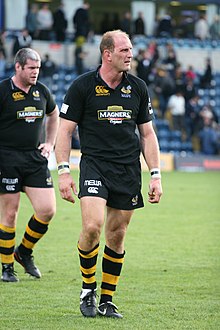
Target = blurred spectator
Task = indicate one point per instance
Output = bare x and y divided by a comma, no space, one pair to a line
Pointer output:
190,73
22,40
170,61
206,78
45,22
208,136
81,21
79,55
60,23
139,25
126,23
154,51
179,77
176,106
189,89
144,64
2,65
191,116
48,68
187,27
201,29
215,28
164,87
31,21
165,27
2,43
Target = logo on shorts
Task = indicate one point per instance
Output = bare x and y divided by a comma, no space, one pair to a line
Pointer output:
10,183
93,190
134,200
49,181
93,186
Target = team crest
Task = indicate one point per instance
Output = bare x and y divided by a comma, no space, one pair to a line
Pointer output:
36,94
126,91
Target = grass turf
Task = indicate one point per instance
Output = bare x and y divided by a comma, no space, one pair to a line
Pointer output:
170,279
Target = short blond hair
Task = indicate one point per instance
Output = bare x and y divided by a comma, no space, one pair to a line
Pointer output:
108,42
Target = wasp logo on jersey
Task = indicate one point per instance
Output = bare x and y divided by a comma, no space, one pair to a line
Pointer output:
126,91
115,114
18,96
36,95
30,114
101,91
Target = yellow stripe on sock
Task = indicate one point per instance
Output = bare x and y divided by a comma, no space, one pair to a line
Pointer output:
108,292
119,261
88,271
39,220
33,233
7,259
90,254
27,244
110,279
89,280
7,229
7,243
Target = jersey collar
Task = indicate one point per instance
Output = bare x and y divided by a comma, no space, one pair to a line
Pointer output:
99,78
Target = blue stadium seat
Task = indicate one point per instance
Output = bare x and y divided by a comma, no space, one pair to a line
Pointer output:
164,145
163,134
187,146
175,146
162,124
176,135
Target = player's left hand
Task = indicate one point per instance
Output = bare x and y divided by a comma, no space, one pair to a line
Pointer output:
155,191
46,149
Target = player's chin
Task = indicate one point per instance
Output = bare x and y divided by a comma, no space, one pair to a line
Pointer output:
33,81
127,66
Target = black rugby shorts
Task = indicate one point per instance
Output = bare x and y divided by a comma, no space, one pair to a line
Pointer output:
119,184
23,168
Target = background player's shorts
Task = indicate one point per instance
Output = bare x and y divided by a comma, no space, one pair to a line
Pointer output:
119,184
23,168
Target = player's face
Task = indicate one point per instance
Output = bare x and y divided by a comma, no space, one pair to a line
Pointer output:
29,73
122,54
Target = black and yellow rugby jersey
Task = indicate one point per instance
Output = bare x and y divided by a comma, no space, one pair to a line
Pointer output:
21,114
107,117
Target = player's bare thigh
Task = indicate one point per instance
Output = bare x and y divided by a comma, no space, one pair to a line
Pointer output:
93,216
43,201
9,205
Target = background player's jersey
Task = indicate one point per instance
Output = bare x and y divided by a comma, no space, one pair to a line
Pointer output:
106,117
21,114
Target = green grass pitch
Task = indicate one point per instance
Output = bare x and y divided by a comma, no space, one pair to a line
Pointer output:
171,275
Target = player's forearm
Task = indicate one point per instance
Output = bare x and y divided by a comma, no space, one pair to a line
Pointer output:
64,140
150,150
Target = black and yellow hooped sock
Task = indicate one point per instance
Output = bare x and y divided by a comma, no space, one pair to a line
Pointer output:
7,244
88,261
35,230
111,269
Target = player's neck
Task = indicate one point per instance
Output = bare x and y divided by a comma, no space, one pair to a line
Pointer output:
18,83
111,77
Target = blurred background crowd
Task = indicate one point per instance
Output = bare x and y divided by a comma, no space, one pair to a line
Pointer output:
185,89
